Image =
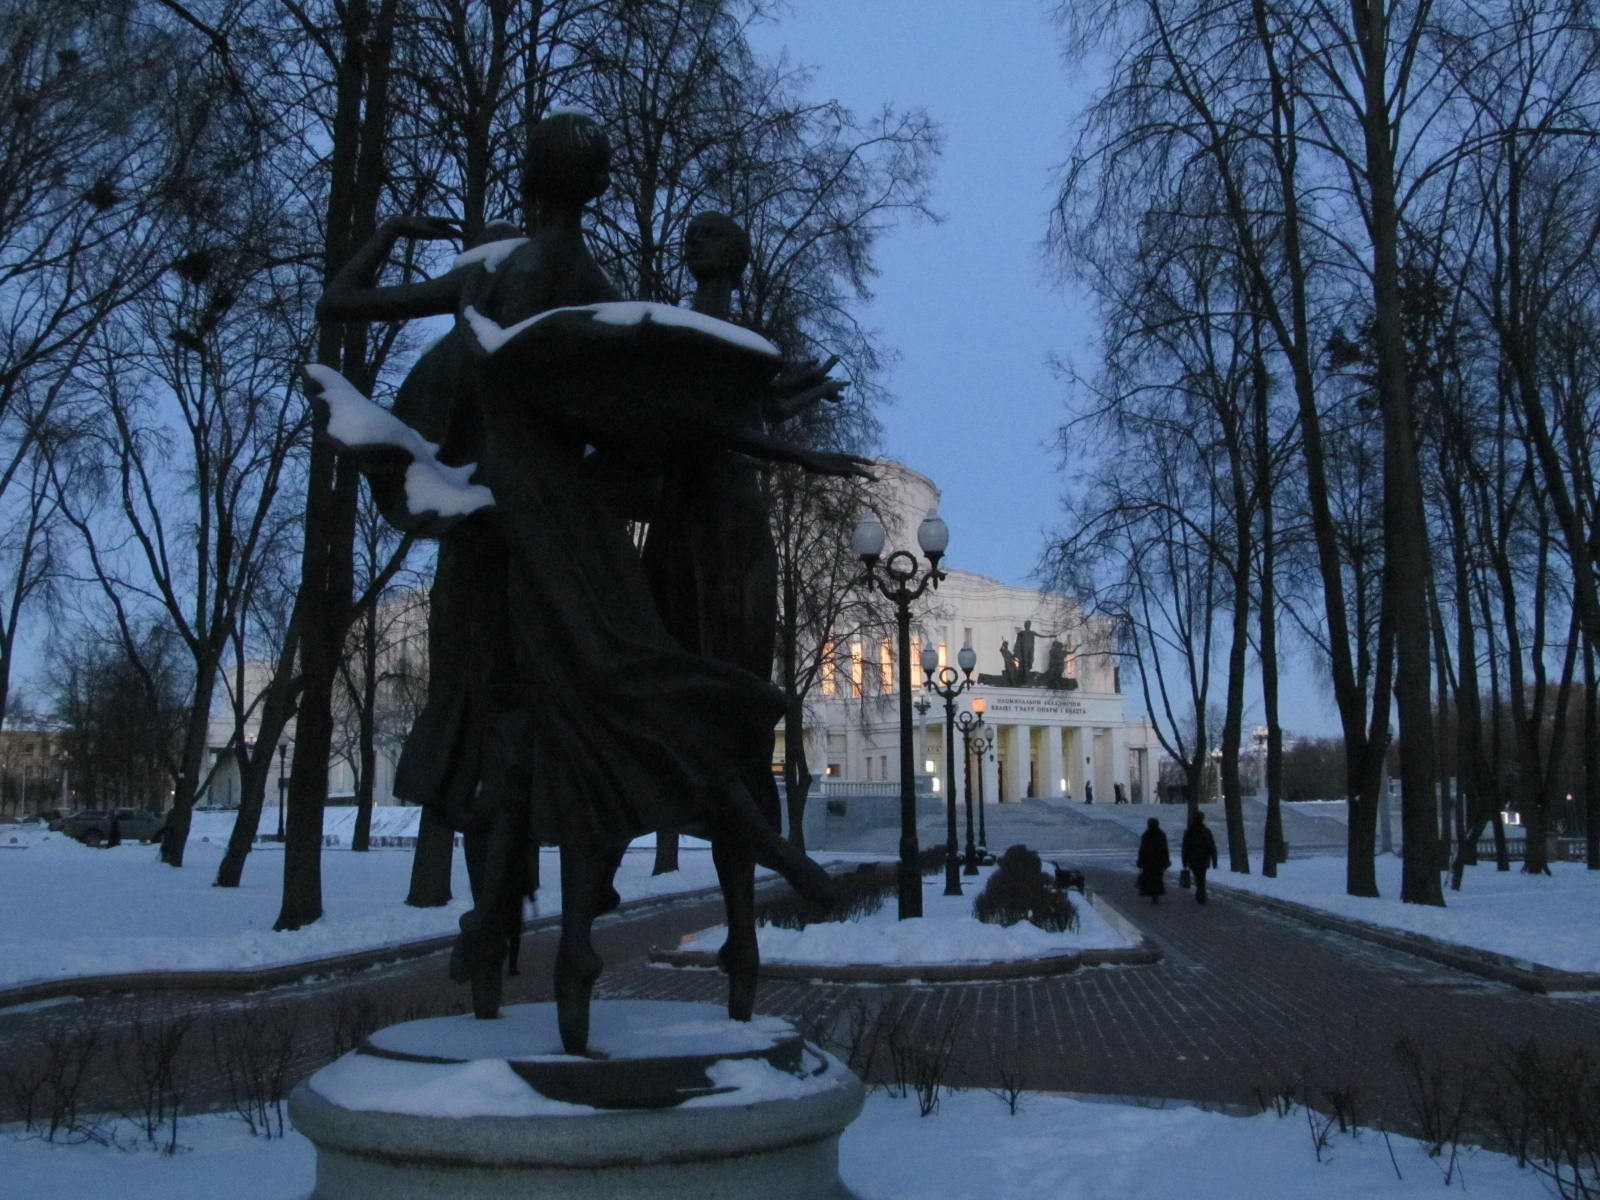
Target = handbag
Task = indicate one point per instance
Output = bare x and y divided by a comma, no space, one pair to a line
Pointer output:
1184,878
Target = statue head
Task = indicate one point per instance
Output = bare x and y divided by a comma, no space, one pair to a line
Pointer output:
715,247
569,160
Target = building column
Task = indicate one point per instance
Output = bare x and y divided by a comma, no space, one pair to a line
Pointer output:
1051,765
1086,766
1100,771
1120,774
1019,754
1071,760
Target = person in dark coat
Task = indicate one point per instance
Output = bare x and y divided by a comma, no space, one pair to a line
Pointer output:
1199,853
1153,861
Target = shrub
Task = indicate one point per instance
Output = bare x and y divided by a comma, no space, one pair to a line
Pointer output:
1019,890
855,895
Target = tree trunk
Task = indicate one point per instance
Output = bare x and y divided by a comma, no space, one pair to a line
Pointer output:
366,721
331,489
1364,733
1471,767
1591,761
276,709
1404,523
252,777
175,834
1238,646
1273,850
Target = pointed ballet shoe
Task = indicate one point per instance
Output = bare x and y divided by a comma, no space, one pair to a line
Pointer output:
477,959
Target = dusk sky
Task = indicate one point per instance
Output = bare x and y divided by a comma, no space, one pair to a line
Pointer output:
971,304
966,303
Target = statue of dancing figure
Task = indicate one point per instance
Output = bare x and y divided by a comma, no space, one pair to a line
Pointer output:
580,738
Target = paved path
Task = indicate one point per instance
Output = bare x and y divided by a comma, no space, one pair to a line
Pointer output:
1245,1004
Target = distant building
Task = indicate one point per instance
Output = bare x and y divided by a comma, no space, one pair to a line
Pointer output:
35,772
1052,695
402,684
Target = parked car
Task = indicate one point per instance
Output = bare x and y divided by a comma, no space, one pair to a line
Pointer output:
93,826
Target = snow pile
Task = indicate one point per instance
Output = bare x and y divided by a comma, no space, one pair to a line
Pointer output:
356,423
492,336
947,932
1534,918
489,255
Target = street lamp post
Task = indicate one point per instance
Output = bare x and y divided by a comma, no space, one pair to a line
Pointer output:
982,740
900,585
947,683
971,723
922,704
283,784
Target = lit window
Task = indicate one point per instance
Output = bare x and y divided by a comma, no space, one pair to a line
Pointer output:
886,666
830,671
858,670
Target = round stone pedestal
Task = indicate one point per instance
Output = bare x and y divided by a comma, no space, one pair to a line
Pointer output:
674,1101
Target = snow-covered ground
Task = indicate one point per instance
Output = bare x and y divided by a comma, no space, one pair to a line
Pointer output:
1546,919
971,1148
67,910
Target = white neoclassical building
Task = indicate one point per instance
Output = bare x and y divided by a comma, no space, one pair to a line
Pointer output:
1055,711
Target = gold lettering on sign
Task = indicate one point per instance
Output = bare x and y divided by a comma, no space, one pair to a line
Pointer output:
1067,708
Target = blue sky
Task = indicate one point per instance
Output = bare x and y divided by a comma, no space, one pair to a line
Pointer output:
971,304
966,302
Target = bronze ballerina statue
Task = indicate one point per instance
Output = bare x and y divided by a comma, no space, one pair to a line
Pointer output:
543,371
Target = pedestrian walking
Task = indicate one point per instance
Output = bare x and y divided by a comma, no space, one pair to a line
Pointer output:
1153,861
1199,853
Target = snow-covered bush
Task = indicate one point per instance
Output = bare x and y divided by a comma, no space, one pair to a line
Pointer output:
1019,890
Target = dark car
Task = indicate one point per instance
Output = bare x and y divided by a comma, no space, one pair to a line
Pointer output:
93,826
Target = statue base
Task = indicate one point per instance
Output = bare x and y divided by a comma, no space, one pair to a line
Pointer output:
673,1101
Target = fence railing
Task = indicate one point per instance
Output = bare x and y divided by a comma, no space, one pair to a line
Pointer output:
1561,849
846,788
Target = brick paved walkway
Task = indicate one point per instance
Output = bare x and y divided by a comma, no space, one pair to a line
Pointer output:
1245,1003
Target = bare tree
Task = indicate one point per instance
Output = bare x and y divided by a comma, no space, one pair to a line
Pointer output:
385,627
121,718
81,141
1318,123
